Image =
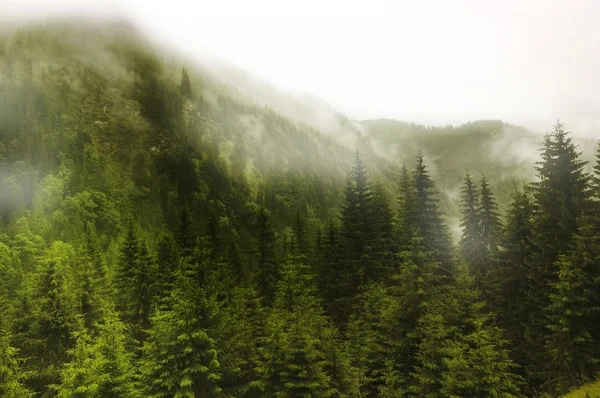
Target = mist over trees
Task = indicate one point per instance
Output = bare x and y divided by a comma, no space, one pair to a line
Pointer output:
161,236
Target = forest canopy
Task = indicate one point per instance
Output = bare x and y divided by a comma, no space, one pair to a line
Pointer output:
162,235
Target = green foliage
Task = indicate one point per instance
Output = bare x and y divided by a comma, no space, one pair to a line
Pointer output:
12,376
167,237
180,357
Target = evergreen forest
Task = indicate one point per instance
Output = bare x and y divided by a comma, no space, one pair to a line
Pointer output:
162,234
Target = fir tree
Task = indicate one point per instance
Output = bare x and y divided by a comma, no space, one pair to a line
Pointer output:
417,287
12,375
490,224
365,236
478,363
166,267
574,304
367,344
294,362
329,275
510,281
406,204
133,278
185,88
427,219
471,240
180,354
267,269
562,195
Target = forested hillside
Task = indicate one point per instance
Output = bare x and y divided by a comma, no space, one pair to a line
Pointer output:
164,235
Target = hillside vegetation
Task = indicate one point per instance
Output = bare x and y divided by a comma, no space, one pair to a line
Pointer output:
164,234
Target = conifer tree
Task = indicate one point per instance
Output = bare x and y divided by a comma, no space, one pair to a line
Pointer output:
11,373
490,224
133,279
266,274
471,239
294,361
572,345
329,275
366,343
80,376
300,234
180,354
241,333
117,369
562,195
427,219
417,287
478,363
366,235
185,236
43,334
434,351
406,204
510,282
166,268
357,226
185,86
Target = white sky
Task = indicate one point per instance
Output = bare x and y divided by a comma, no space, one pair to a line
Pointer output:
429,61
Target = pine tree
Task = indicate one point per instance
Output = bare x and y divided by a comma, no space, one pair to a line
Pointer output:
180,356
510,281
406,204
366,342
117,371
574,304
562,195
490,224
133,280
81,377
43,334
185,87
434,351
471,240
383,239
418,285
427,219
366,237
300,234
329,275
185,237
356,226
478,363
241,334
166,267
11,373
293,359
266,274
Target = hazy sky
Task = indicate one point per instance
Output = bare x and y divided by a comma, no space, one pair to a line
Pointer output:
429,61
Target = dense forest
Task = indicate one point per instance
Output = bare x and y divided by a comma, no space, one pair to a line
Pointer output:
163,235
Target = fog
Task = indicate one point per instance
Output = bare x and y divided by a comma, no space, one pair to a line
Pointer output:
432,62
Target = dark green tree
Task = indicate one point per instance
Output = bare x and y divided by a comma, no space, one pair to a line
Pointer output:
406,205
471,239
427,219
572,348
180,356
185,87
267,271
418,285
490,224
12,376
561,195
